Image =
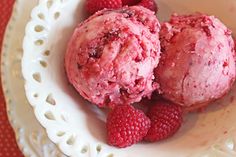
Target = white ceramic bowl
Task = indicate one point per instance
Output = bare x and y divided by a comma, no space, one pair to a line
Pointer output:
77,126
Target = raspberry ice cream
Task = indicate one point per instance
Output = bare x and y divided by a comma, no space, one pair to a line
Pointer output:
197,64
112,55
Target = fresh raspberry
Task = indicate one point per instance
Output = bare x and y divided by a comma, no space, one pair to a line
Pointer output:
126,126
93,6
130,2
166,119
150,4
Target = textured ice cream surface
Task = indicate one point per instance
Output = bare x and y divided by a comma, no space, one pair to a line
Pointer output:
112,55
197,64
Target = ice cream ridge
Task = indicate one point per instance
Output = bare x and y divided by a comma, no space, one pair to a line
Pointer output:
112,55
197,64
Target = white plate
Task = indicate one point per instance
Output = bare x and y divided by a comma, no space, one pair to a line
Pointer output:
31,137
78,127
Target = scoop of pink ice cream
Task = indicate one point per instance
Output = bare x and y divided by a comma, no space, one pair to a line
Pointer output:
197,64
111,56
